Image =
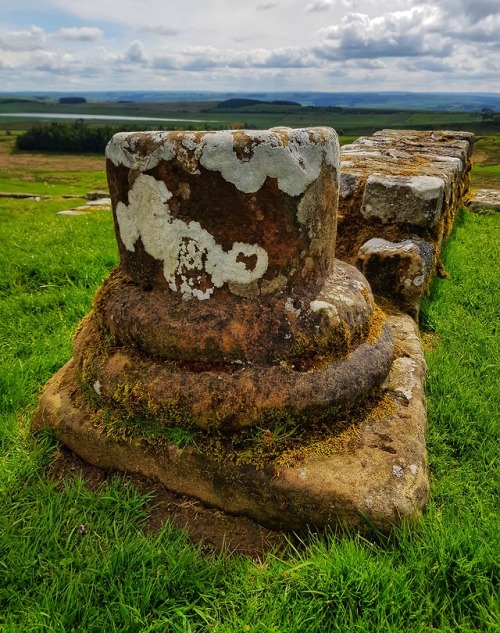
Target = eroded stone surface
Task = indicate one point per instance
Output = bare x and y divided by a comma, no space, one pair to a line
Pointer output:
234,329
398,271
231,396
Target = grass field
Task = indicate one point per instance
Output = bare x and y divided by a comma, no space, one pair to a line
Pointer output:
74,559
486,163
347,121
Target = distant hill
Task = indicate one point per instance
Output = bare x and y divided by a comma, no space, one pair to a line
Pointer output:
72,100
242,103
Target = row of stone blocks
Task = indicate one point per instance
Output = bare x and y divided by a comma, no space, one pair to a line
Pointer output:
399,195
231,355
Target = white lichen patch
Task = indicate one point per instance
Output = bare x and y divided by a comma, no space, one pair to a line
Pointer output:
295,164
193,263
123,149
398,470
289,307
329,308
345,299
293,157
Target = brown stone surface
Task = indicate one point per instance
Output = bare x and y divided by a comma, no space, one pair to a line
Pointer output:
398,271
380,482
250,211
231,329
230,396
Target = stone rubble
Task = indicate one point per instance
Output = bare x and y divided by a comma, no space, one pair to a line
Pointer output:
484,199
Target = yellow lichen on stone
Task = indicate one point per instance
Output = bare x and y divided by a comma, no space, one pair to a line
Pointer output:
375,325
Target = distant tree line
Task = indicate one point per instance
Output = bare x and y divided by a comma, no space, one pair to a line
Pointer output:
242,103
77,137
72,100
67,137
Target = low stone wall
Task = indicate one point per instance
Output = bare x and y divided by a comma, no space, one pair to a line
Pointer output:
399,194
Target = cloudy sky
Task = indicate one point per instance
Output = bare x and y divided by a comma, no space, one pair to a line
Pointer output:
250,45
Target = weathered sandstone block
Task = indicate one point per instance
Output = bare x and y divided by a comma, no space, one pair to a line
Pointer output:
414,200
397,271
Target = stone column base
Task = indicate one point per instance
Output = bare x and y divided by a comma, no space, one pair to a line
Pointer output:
364,471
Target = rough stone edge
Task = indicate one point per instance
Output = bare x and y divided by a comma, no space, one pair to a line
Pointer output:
484,199
382,483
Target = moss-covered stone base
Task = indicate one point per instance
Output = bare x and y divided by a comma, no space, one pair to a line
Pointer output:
366,468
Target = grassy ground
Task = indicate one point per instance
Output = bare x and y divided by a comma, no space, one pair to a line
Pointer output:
76,560
350,121
486,170
43,174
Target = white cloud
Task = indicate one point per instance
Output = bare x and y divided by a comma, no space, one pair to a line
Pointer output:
399,34
473,10
265,6
430,65
265,44
320,5
53,62
485,31
30,40
82,34
136,54
196,58
369,64
159,29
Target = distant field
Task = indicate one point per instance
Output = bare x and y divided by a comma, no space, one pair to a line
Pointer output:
486,163
348,121
48,174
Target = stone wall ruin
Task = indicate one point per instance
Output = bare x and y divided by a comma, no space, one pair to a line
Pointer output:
233,355
399,195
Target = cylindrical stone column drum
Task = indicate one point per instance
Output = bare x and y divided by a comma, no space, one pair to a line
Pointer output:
228,298
230,236
252,213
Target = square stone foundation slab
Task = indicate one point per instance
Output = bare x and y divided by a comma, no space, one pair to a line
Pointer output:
380,482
